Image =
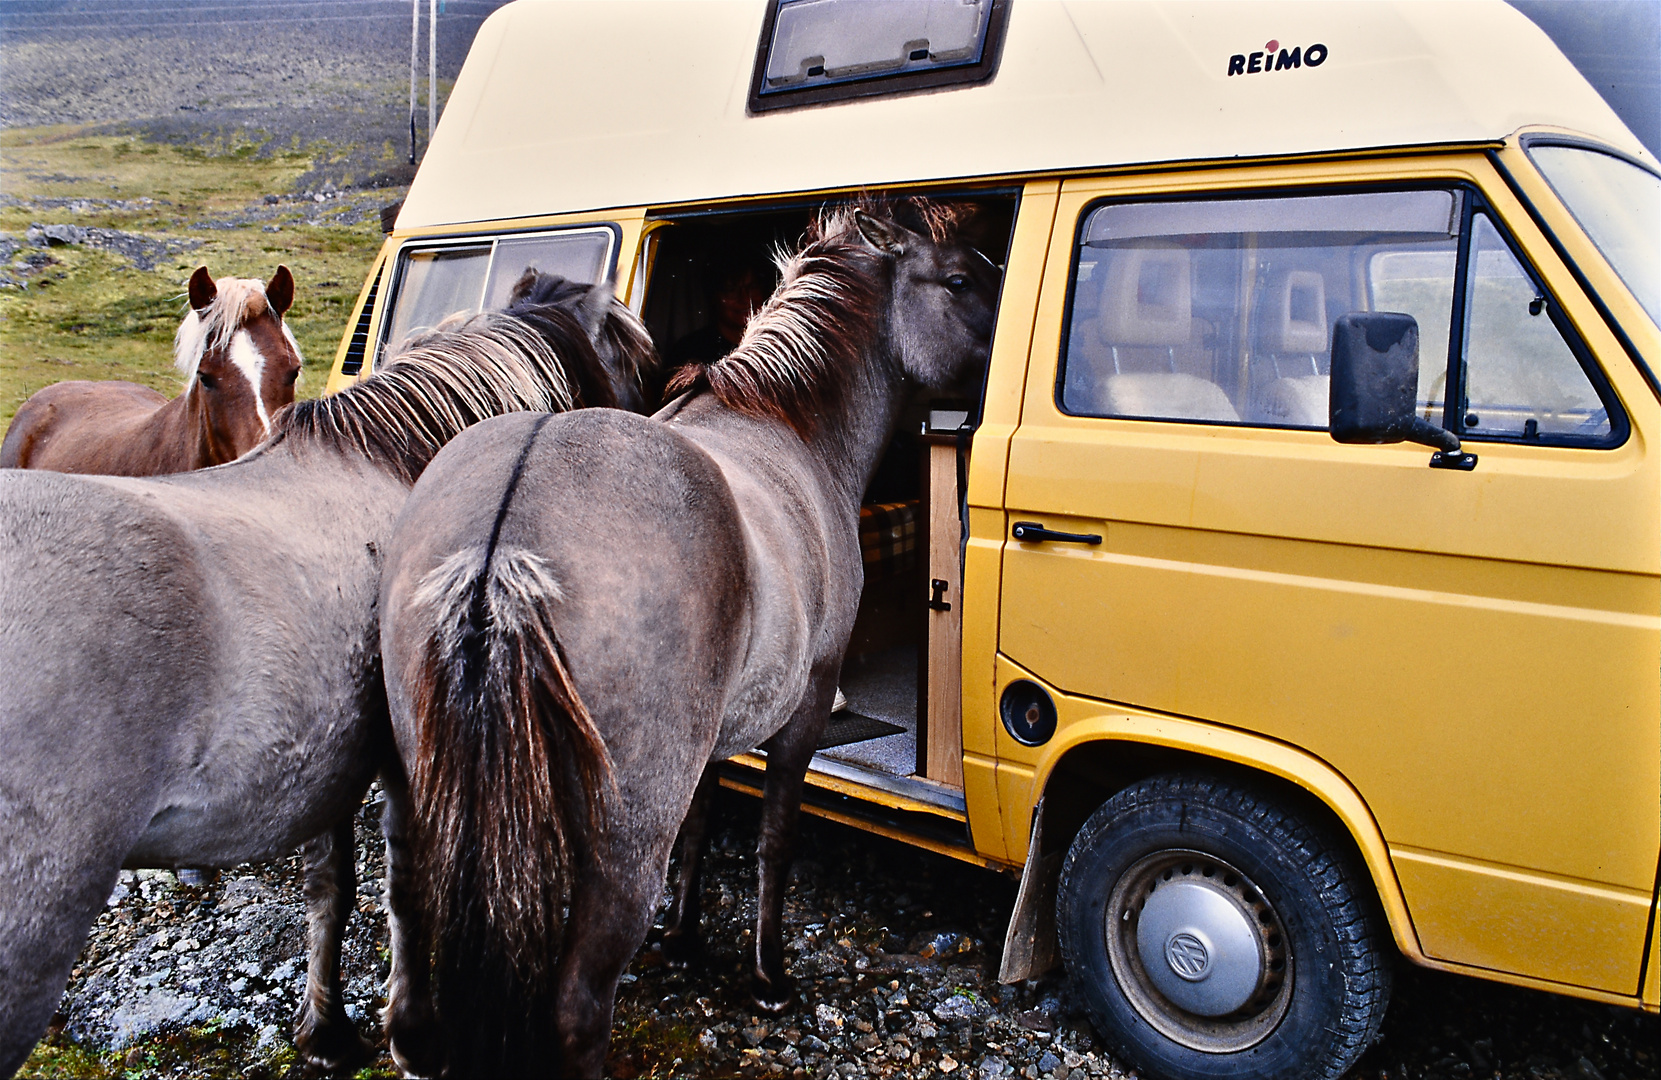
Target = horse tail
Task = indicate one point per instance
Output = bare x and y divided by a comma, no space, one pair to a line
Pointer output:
510,776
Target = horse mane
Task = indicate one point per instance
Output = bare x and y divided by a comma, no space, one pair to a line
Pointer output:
539,297
438,384
237,300
803,348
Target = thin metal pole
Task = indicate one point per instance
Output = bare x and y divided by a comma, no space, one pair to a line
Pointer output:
432,68
414,44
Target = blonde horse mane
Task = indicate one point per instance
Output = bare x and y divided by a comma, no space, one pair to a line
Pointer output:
438,384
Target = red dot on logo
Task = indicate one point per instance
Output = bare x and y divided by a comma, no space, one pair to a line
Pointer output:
1271,46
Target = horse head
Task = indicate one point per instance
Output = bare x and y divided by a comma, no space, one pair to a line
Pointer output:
944,292
239,358
624,364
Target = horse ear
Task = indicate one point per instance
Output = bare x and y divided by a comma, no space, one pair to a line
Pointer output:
593,308
885,236
279,291
202,289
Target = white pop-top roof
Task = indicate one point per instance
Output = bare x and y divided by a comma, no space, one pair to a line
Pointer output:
569,106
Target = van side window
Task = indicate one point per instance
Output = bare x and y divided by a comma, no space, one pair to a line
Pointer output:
435,281
1521,379
1221,311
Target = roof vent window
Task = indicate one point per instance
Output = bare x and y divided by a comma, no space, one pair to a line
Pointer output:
829,50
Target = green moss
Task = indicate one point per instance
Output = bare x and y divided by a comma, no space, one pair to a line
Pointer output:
651,1046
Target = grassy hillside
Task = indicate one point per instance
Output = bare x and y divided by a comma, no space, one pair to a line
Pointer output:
107,308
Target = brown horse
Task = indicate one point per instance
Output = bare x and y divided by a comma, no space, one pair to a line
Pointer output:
239,361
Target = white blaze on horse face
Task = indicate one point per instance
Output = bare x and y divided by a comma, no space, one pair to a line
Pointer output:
251,363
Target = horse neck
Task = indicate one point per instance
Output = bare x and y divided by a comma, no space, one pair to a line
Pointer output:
179,436
852,441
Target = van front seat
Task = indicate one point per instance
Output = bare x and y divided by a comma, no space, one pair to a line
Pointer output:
1293,340
1145,318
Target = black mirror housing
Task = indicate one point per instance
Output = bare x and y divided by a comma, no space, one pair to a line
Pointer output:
1375,382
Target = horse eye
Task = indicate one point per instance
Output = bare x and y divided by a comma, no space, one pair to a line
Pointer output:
957,283
206,381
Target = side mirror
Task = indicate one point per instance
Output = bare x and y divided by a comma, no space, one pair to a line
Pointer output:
1375,385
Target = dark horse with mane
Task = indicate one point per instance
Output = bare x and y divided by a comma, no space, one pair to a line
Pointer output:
239,361
192,662
581,612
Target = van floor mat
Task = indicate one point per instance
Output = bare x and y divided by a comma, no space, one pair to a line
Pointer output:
848,726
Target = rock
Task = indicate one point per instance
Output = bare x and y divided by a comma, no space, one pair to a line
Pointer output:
137,1019
829,1019
941,945
948,1064
991,1067
56,235
1048,1062
960,1006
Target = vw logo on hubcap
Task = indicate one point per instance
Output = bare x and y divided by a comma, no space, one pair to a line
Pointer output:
1187,956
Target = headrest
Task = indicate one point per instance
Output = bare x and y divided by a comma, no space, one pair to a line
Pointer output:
1147,298
1171,396
1295,319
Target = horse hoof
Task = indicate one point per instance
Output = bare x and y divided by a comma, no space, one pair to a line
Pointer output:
328,1047
416,1049
342,1057
682,950
773,997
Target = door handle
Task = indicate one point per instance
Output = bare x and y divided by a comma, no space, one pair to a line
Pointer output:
1030,532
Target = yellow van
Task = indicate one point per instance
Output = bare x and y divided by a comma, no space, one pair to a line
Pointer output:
1291,592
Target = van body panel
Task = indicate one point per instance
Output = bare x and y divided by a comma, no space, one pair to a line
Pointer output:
980,794
1077,85
1474,651
1652,964
1497,917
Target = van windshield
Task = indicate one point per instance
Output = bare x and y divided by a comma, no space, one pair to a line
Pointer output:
1619,206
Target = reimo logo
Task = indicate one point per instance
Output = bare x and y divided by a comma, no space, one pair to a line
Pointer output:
1274,58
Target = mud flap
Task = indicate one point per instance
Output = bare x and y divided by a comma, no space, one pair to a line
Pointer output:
1030,946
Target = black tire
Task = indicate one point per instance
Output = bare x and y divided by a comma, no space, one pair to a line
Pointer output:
1295,984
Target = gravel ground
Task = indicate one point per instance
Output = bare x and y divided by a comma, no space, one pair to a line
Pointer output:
895,952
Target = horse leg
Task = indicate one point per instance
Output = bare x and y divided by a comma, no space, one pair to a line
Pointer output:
411,1023
51,903
323,1033
682,933
615,888
788,753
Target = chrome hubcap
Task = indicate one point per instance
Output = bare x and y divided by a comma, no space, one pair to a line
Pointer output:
1198,951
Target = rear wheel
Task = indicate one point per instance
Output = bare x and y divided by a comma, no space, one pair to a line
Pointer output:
1213,934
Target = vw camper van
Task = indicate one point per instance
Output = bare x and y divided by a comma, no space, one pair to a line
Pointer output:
1289,594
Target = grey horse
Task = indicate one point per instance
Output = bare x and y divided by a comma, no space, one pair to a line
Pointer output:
581,612
190,665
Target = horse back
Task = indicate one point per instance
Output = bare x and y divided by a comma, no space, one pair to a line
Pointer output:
84,426
633,524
